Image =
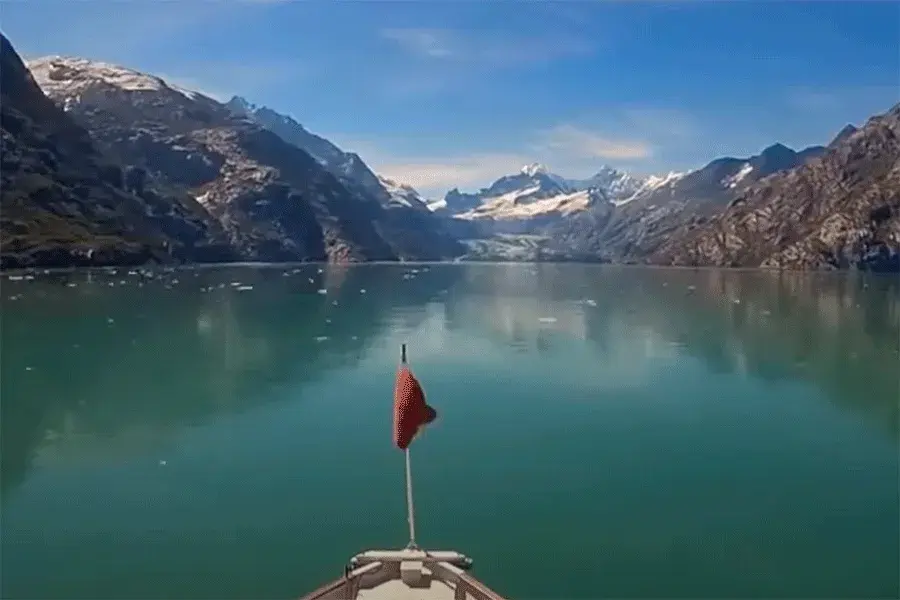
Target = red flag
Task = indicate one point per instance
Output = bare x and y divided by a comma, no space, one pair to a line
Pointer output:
411,412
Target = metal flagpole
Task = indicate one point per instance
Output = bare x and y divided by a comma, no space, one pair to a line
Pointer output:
411,516
409,505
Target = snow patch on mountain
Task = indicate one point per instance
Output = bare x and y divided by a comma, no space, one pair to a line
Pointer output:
516,205
734,180
651,184
402,194
69,76
535,169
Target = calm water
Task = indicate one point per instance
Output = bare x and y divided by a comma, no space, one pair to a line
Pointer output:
602,432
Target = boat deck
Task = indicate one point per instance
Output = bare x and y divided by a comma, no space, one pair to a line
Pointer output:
396,589
409,574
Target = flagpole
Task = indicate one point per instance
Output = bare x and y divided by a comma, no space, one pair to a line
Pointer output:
409,505
411,516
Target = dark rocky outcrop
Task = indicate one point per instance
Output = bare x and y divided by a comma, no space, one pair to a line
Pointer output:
410,229
64,204
636,229
270,199
839,211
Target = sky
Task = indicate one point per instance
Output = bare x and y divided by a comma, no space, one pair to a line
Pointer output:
456,94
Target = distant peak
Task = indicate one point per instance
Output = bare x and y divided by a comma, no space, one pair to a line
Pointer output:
777,148
535,169
843,134
240,101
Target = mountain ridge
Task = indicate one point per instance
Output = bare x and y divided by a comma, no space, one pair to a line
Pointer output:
194,180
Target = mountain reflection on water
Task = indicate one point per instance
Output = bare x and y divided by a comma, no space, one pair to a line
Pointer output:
88,364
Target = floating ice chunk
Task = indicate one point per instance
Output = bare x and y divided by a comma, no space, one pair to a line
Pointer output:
311,280
547,319
163,463
322,291
71,284
244,288
321,338
29,368
362,291
110,320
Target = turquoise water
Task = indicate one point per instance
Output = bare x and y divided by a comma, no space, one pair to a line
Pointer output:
602,432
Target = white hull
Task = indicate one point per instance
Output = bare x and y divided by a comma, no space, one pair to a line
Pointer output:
409,574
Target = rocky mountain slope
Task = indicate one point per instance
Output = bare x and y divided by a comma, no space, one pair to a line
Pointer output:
841,210
522,203
271,199
611,216
635,229
63,203
407,224
515,197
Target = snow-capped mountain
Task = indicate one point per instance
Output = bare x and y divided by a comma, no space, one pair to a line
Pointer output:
536,191
347,166
402,194
617,185
272,198
75,75
340,163
532,192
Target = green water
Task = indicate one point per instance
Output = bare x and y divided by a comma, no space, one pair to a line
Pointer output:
602,433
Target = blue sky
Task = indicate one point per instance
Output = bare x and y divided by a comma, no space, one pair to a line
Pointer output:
458,93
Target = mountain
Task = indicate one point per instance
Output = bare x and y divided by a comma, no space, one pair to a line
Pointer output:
841,210
519,203
274,201
618,186
66,204
339,163
408,225
663,205
842,135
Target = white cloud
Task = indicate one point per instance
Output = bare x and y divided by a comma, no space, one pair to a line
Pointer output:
494,49
426,42
432,176
576,143
569,150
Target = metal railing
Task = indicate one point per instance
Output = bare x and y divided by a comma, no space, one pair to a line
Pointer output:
445,566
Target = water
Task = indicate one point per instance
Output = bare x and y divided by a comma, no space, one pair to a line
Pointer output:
602,432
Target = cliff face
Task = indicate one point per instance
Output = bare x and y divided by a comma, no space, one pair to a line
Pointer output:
61,203
412,231
841,210
634,229
271,200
